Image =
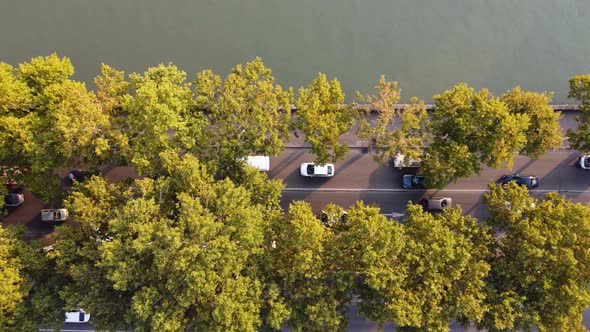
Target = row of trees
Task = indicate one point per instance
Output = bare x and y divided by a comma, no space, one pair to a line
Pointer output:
50,121
201,242
466,130
187,252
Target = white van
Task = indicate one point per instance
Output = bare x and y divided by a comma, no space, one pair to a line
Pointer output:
77,316
400,162
260,162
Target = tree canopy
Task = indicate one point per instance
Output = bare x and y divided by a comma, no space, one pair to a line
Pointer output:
386,138
579,139
250,114
322,118
469,130
541,267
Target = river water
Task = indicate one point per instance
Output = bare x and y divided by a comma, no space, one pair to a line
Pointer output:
428,46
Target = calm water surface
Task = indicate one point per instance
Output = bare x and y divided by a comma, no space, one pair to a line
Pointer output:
427,46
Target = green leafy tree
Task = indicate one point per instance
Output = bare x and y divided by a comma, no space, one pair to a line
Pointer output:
14,94
580,91
369,249
544,131
14,286
386,138
322,118
305,272
539,274
507,204
470,129
111,88
157,116
250,114
424,273
42,72
27,298
179,252
55,123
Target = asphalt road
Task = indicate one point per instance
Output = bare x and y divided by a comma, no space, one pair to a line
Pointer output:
358,177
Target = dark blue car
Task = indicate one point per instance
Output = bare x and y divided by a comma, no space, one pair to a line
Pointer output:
529,181
411,181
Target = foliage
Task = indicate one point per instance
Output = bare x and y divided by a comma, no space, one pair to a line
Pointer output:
470,129
177,253
322,118
54,123
249,113
580,91
156,117
14,94
26,294
507,204
540,274
305,272
111,88
42,72
387,139
421,274
544,131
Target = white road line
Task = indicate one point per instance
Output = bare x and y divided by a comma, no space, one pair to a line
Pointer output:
392,190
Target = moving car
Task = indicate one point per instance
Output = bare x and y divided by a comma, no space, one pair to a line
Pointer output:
13,199
77,316
529,181
54,214
437,203
313,170
411,181
585,161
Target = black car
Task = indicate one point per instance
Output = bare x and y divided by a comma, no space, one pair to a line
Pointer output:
411,181
529,181
76,175
13,199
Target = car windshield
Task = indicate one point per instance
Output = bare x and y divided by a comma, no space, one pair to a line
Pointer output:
417,180
524,180
329,169
310,169
586,161
9,199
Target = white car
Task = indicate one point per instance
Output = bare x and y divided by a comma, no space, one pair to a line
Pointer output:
54,214
313,170
77,316
400,162
585,161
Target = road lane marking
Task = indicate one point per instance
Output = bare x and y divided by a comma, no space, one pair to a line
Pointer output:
394,190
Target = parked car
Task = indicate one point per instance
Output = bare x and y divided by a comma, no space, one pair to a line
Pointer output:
437,203
76,175
330,218
77,316
313,170
54,214
399,161
529,181
411,181
585,161
260,162
13,199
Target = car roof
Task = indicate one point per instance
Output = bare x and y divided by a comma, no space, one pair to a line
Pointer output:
323,169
